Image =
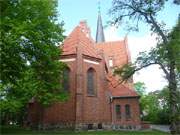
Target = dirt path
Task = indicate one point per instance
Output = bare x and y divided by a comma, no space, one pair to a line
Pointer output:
164,128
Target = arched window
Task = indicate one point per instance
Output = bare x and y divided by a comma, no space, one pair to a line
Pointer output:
118,111
128,111
91,83
66,79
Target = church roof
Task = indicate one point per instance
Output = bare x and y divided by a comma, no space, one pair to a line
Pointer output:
122,91
117,50
119,90
80,37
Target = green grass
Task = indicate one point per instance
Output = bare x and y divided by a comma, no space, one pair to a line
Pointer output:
20,131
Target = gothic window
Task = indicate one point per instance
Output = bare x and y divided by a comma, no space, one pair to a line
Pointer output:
128,111
118,112
66,79
91,81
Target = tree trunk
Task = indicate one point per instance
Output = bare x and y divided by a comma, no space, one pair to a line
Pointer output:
171,77
173,99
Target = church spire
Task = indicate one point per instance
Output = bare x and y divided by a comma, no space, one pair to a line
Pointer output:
99,33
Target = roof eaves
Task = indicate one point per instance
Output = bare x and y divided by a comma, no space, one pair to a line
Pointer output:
116,97
96,58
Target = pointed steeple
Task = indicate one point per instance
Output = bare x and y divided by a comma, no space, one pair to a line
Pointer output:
99,33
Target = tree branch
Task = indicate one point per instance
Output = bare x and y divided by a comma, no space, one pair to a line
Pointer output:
154,23
165,71
144,66
125,79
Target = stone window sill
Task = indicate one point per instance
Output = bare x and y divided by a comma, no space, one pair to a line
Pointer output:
91,95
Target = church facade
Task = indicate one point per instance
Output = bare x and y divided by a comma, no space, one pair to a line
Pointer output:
96,99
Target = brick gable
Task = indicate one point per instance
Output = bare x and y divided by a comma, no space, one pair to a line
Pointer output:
79,38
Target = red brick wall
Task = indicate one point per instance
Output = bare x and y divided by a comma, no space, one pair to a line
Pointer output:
96,108
63,111
135,112
82,108
33,114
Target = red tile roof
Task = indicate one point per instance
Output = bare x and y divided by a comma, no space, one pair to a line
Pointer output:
122,91
119,90
79,38
117,50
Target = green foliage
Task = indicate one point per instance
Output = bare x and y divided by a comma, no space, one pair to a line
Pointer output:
30,65
155,107
140,88
29,32
151,107
174,41
126,71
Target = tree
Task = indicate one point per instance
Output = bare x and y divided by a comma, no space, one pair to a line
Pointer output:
165,54
30,65
140,88
154,105
150,104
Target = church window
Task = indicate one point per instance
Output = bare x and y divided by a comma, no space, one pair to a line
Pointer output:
118,112
91,81
66,79
128,111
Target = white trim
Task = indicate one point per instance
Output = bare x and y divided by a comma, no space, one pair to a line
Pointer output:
110,63
90,61
67,60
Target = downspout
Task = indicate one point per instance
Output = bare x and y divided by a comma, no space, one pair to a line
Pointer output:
111,103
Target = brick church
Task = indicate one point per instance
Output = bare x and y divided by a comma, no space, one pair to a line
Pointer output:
96,99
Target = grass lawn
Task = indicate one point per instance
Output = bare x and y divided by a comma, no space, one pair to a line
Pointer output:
20,131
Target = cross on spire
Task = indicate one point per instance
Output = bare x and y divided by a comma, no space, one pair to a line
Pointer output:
99,7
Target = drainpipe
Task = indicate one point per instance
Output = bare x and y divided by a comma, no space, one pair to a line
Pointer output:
111,107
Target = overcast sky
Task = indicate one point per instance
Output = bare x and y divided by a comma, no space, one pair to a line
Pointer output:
73,11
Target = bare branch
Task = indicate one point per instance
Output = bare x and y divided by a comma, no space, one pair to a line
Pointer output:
165,71
142,67
154,63
158,29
